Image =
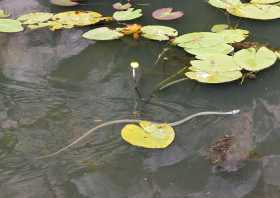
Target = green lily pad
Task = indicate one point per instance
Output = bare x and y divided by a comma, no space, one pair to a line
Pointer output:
234,35
214,77
255,60
10,25
157,32
224,3
264,1
127,15
102,34
3,14
221,48
67,3
215,63
255,11
148,135
198,40
219,27
34,18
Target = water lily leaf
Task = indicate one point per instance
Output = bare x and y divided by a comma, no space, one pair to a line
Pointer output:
198,40
10,25
255,60
127,15
102,34
75,18
157,32
255,11
234,35
219,27
67,3
264,1
148,135
167,14
34,18
214,77
215,63
120,6
221,48
224,3
41,25
3,14
277,54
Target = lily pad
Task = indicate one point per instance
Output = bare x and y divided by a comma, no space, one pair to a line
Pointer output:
255,60
75,18
198,40
215,63
219,27
167,14
148,135
157,32
10,25
234,35
67,3
3,14
221,48
214,77
255,11
127,15
120,6
102,34
278,54
224,3
34,18
264,1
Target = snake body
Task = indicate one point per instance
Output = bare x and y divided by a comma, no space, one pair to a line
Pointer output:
126,121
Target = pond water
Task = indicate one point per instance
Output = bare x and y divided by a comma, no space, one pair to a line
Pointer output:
54,86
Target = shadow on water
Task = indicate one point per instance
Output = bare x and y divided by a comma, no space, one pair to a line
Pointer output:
54,86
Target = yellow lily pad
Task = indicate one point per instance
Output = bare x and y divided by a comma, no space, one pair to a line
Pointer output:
215,63
264,1
102,34
255,11
35,18
219,27
224,3
127,15
255,60
234,35
75,18
10,25
214,77
148,135
67,3
3,14
157,32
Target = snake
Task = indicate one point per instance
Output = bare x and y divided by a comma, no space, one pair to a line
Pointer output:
127,121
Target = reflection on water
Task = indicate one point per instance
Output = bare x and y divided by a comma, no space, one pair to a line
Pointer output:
55,86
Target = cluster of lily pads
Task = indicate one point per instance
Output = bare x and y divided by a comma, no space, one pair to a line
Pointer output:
255,9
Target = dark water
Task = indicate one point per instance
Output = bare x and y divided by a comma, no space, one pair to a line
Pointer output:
54,86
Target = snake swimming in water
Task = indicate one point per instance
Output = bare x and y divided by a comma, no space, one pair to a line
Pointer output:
126,121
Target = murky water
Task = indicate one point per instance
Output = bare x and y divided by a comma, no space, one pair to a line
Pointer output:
54,86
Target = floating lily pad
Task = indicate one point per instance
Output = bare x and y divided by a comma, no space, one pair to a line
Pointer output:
264,1
120,6
198,40
234,35
215,63
255,60
67,3
3,14
221,48
75,18
102,34
157,32
127,15
10,25
34,18
219,27
167,14
148,135
224,3
278,54
214,77
255,11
